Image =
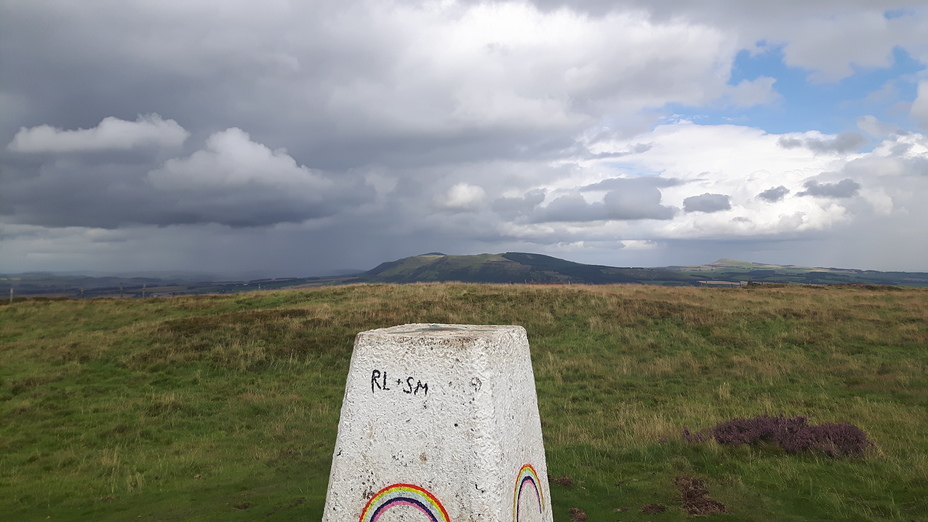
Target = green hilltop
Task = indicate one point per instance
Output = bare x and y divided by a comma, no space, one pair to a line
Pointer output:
519,267
511,267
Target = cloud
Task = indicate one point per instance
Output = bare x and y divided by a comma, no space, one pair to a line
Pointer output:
844,142
572,207
233,181
337,129
845,188
639,244
831,39
734,164
239,182
463,196
876,128
361,82
623,200
110,134
707,203
920,106
636,202
231,160
832,47
639,185
774,194
518,205
748,93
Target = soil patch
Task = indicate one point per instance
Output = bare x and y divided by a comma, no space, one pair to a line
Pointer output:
695,496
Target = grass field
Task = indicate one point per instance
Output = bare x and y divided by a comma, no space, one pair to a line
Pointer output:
226,407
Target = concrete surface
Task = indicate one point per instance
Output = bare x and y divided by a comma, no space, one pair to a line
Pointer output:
439,423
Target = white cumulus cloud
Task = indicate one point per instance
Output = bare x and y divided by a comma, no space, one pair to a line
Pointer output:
463,196
239,182
232,160
111,134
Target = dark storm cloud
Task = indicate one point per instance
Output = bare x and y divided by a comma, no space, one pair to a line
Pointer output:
72,192
319,78
774,194
844,142
845,188
232,180
208,68
343,84
707,203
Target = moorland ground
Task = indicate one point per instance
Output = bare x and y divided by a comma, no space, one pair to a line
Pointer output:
226,407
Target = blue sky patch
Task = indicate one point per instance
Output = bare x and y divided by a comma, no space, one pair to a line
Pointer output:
804,105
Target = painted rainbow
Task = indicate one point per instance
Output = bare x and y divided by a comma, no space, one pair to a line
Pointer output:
404,495
527,477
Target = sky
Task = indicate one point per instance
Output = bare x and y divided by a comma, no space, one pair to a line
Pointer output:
298,138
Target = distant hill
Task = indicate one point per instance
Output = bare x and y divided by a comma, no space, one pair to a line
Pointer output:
513,267
509,267
519,267
733,270
37,284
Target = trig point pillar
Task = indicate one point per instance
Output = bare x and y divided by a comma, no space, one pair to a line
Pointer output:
439,423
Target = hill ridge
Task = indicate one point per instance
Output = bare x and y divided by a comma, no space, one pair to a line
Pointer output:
526,267
507,268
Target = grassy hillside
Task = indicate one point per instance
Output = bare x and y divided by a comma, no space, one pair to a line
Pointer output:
512,267
226,407
492,268
733,270
518,267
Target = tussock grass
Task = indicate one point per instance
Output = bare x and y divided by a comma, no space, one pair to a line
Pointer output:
226,407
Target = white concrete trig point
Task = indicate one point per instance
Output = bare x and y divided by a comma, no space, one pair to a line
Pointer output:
439,423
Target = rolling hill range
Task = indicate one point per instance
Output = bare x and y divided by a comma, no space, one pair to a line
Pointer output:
506,268
511,267
517,267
